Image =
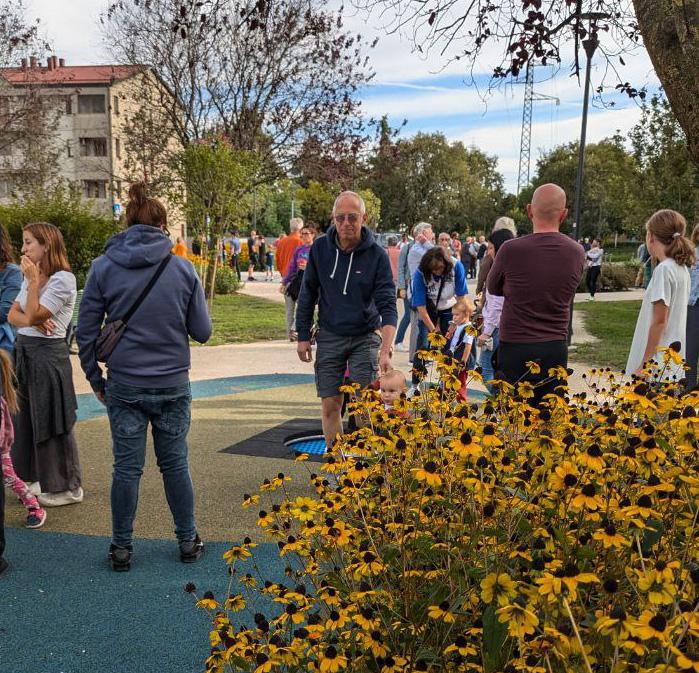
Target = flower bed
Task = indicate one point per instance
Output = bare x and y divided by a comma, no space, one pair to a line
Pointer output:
491,537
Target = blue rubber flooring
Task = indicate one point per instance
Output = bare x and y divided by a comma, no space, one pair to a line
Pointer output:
66,611
90,407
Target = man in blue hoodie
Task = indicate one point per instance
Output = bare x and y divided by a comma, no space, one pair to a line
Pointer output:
349,276
148,368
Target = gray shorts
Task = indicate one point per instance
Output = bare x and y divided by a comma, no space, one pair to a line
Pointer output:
335,352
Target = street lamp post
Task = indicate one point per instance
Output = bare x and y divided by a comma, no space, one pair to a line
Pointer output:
590,46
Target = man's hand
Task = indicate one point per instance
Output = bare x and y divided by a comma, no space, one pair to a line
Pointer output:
385,364
303,348
483,338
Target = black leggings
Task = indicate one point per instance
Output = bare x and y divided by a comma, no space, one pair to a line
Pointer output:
591,280
512,364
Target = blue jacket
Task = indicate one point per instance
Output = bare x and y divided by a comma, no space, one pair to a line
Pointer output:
354,290
154,349
10,284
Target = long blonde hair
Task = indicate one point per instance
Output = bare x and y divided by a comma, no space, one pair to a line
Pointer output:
8,381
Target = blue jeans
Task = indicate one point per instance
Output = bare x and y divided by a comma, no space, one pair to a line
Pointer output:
405,321
486,361
168,410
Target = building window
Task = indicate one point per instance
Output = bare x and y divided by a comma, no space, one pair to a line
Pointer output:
95,189
117,148
69,148
91,104
69,105
5,189
93,147
115,104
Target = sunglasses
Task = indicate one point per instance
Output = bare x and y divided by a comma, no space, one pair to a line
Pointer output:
352,218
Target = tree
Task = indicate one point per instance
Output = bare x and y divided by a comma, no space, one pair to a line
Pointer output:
317,203
219,180
524,31
610,190
266,75
668,177
427,178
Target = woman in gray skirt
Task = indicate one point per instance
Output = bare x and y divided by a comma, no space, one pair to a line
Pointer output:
45,451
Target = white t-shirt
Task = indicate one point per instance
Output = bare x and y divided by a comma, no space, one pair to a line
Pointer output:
670,284
58,296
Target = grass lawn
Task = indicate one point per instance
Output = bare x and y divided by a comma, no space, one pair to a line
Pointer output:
239,318
613,323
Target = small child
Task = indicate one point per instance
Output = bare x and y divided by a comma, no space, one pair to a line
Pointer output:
36,515
460,339
269,264
391,385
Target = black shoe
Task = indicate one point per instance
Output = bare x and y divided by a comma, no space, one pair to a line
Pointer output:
4,565
191,550
120,557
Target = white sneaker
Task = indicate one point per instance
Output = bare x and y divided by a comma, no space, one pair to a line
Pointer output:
401,347
34,487
62,498
412,391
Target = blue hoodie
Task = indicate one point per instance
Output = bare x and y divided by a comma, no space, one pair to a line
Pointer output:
153,352
354,290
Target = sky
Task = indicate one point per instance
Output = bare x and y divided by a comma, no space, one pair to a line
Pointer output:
433,95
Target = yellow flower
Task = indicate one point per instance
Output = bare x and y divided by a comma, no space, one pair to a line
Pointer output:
610,538
686,661
520,620
659,590
235,603
207,602
369,565
551,587
236,554
373,641
651,625
441,611
533,367
489,438
337,619
331,661
428,474
564,476
461,646
616,623
544,444
587,498
466,446
592,458
393,664
436,340
264,519
249,500
304,509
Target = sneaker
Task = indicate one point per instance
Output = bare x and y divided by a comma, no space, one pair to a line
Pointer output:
412,391
191,550
120,557
293,335
62,498
34,487
401,347
251,278
36,518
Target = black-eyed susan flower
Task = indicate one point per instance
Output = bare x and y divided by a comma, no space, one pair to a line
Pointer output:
659,589
489,438
686,661
393,664
236,553
533,367
610,537
519,617
374,642
234,603
592,457
564,476
442,612
330,660
615,623
587,498
428,474
651,625
303,509
207,602
337,619
461,646
249,500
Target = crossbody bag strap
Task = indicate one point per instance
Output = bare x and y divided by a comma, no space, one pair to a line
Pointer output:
439,292
146,290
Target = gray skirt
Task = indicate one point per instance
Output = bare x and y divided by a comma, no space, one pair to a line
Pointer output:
45,449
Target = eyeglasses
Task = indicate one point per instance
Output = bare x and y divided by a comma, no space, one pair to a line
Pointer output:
352,218
306,233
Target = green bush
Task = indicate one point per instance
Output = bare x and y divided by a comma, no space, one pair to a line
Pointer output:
84,231
226,280
614,278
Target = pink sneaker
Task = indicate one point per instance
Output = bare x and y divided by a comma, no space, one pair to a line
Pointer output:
36,518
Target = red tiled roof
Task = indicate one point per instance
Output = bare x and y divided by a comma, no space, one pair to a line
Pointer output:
70,74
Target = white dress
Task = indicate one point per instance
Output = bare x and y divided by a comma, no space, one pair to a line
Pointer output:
670,284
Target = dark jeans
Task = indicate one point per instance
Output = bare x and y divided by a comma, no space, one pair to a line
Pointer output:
692,344
234,265
443,318
591,278
168,410
405,321
512,361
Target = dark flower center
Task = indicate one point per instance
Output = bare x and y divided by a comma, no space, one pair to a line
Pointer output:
658,622
589,490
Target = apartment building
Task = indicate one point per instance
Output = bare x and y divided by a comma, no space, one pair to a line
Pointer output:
91,107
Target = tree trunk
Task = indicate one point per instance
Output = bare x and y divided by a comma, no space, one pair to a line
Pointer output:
670,30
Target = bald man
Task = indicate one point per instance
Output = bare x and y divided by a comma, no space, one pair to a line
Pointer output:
537,275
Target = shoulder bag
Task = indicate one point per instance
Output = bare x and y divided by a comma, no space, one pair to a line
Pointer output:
111,332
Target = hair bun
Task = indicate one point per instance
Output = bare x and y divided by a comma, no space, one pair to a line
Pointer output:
138,192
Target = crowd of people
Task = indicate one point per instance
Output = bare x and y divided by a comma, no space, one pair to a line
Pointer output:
142,304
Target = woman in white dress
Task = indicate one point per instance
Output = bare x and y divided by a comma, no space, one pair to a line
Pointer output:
663,317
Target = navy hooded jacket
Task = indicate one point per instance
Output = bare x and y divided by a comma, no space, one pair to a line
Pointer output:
354,290
153,352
